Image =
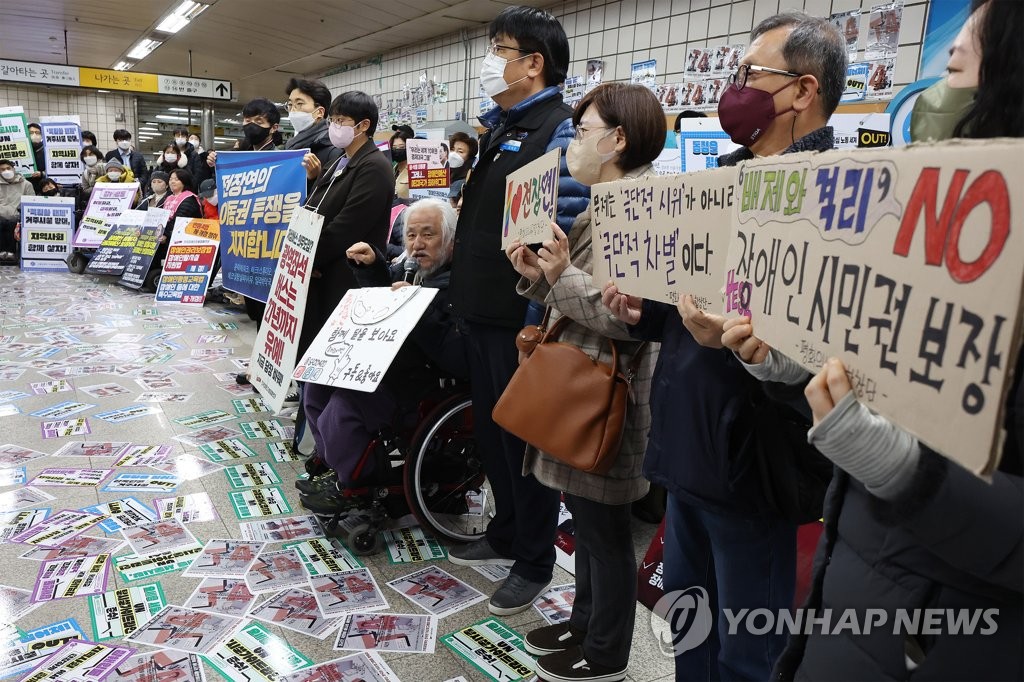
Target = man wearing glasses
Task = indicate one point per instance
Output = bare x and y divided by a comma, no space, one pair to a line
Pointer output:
526,61
717,538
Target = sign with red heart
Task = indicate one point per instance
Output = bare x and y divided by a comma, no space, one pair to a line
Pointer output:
531,201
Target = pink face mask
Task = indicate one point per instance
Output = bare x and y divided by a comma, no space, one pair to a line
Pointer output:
341,136
745,114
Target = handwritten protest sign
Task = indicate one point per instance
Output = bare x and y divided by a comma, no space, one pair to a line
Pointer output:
531,200
116,248
106,204
62,144
277,341
905,264
661,236
46,224
258,192
144,249
429,176
189,262
362,336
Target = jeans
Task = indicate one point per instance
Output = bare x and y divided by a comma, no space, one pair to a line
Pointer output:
742,563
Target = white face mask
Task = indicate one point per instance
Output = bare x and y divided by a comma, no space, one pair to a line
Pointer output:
90,161
455,160
124,145
180,141
114,176
7,175
194,142
171,158
300,120
159,188
584,160
36,137
213,199
492,74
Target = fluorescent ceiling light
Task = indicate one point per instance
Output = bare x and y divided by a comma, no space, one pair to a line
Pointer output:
165,117
123,66
178,109
143,48
181,16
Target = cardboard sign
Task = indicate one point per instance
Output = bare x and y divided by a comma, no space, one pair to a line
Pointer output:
531,199
144,250
189,262
116,249
106,204
62,145
362,337
661,236
46,225
258,192
493,648
429,174
907,265
277,339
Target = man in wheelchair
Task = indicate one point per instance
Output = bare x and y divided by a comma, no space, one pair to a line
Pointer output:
344,422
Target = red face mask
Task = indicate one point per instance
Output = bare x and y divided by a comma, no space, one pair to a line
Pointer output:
745,114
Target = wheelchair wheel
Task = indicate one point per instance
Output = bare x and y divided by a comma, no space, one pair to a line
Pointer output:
77,263
445,483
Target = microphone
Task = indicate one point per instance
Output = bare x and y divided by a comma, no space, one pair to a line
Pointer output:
144,199
410,266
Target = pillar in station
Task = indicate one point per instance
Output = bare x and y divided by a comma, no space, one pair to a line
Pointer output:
206,125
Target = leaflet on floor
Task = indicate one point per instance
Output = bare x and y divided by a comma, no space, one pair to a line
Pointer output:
225,559
65,427
297,610
147,483
134,567
250,406
92,449
58,528
165,535
81,478
494,649
124,414
250,475
284,451
159,665
436,591
38,645
12,455
223,450
365,666
185,630
387,632
28,496
188,467
194,508
254,654
12,476
267,428
555,605
67,578
282,530
78,546
411,545
123,513
62,410
227,596
144,455
208,435
207,418
274,571
257,502
320,556
346,592
109,390
118,613
16,522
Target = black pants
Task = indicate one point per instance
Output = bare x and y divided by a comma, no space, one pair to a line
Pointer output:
7,241
526,512
605,604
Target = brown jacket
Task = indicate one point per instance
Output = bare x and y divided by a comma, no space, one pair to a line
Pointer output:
576,295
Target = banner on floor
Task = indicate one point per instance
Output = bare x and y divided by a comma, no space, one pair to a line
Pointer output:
106,204
363,336
531,198
188,266
258,192
62,148
661,236
907,264
116,248
46,225
429,175
14,143
144,249
277,341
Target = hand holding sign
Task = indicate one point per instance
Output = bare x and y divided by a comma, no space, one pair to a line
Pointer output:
738,336
524,261
827,388
624,307
554,255
705,328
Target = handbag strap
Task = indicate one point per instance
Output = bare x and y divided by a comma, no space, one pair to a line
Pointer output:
551,334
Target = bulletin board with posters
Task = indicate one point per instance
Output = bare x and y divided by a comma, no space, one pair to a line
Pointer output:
46,224
14,143
907,264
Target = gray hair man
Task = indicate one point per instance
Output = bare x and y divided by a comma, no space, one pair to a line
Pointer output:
429,237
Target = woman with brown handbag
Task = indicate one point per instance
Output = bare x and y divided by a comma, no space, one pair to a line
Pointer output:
620,130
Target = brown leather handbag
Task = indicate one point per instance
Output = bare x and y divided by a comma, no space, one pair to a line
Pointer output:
565,403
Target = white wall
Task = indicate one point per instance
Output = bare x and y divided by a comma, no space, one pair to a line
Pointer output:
620,32
97,110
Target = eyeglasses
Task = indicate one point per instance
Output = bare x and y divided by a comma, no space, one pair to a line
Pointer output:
342,121
581,130
495,48
295,107
739,77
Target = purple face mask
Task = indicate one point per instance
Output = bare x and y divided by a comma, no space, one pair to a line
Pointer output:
745,114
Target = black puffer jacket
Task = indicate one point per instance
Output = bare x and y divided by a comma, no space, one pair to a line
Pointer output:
950,542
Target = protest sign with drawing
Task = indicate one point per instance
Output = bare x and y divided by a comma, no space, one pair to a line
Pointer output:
531,199
907,265
258,193
189,263
106,204
362,337
274,351
661,236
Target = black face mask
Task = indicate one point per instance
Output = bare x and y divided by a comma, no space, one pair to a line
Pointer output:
50,192
398,155
255,133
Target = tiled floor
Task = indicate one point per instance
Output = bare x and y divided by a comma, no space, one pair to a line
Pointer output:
56,321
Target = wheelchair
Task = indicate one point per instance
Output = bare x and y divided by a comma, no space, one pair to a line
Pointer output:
429,466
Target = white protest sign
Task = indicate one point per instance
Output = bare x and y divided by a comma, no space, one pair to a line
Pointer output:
106,204
429,175
14,143
531,200
277,341
62,144
46,224
362,336
906,264
661,236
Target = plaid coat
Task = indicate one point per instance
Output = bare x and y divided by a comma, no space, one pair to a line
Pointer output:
578,296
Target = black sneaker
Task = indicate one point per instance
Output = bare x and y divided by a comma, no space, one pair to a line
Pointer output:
315,484
292,398
516,595
327,502
572,666
477,553
553,638
315,465
242,379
